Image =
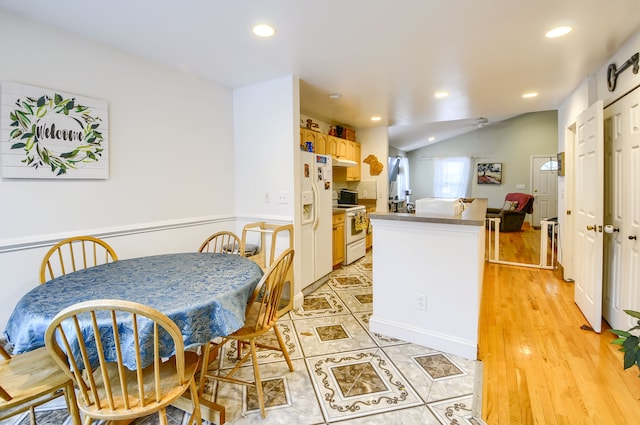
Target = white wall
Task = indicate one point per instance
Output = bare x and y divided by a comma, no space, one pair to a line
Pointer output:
266,131
590,90
375,141
267,135
413,258
511,142
579,100
171,157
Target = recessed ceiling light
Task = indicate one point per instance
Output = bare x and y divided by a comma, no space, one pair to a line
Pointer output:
558,32
376,118
335,96
264,30
431,139
530,95
441,94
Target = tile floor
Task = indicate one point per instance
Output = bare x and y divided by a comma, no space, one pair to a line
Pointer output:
343,373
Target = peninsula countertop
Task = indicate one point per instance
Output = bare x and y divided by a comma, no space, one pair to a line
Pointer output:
474,214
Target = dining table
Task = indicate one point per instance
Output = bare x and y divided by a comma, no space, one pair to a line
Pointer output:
205,294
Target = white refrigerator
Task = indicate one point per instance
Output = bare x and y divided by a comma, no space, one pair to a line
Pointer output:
316,223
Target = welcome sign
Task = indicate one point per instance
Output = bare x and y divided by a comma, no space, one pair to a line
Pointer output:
51,134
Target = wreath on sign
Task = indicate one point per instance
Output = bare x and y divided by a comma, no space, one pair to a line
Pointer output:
25,120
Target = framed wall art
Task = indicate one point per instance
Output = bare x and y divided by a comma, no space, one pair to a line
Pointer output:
561,164
49,134
490,173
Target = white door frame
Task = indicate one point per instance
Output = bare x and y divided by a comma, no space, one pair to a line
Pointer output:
566,255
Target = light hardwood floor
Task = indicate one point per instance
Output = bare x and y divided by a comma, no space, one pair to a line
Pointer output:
540,367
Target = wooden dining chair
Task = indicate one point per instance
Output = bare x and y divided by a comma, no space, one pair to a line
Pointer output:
261,316
75,253
31,379
106,335
271,238
222,242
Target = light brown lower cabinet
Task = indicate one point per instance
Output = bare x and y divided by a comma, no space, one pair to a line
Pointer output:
338,239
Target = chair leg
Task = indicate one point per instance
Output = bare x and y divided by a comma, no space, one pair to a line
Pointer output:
239,349
211,404
162,415
72,403
256,373
203,369
283,347
195,399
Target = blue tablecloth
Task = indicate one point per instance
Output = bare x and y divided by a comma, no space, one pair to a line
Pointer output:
205,294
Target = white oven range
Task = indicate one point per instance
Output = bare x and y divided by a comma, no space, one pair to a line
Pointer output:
354,235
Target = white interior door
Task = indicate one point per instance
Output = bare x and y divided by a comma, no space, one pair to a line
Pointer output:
631,224
589,190
614,122
544,178
622,210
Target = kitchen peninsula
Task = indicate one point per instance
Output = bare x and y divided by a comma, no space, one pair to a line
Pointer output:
427,277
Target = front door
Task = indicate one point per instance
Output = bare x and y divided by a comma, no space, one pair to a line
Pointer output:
589,190
545,188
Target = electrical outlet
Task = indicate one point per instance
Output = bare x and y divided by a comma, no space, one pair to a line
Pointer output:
283,198
421,302
267,197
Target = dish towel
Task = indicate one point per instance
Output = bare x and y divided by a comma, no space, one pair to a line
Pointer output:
360,221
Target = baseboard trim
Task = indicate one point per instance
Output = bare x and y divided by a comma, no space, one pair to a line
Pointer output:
424,337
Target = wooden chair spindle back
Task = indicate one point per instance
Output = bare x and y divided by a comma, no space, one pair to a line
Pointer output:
101,331
73,254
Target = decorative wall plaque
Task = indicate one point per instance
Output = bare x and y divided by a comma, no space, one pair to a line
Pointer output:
49,134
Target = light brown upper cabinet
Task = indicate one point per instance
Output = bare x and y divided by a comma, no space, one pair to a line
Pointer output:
354,173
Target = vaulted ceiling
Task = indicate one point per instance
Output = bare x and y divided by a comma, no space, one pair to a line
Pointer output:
384,58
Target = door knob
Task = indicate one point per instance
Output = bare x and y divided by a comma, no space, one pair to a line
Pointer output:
590,227
632,238
610,229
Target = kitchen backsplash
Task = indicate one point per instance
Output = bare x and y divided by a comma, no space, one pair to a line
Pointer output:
367,189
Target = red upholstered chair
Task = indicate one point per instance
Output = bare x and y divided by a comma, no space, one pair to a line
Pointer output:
512,214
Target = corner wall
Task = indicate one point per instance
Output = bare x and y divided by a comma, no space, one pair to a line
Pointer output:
171,155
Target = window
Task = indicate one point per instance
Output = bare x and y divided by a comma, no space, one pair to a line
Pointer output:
451,177
551,165
398,177
403,178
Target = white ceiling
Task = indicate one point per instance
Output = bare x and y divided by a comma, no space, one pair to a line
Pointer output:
386,57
